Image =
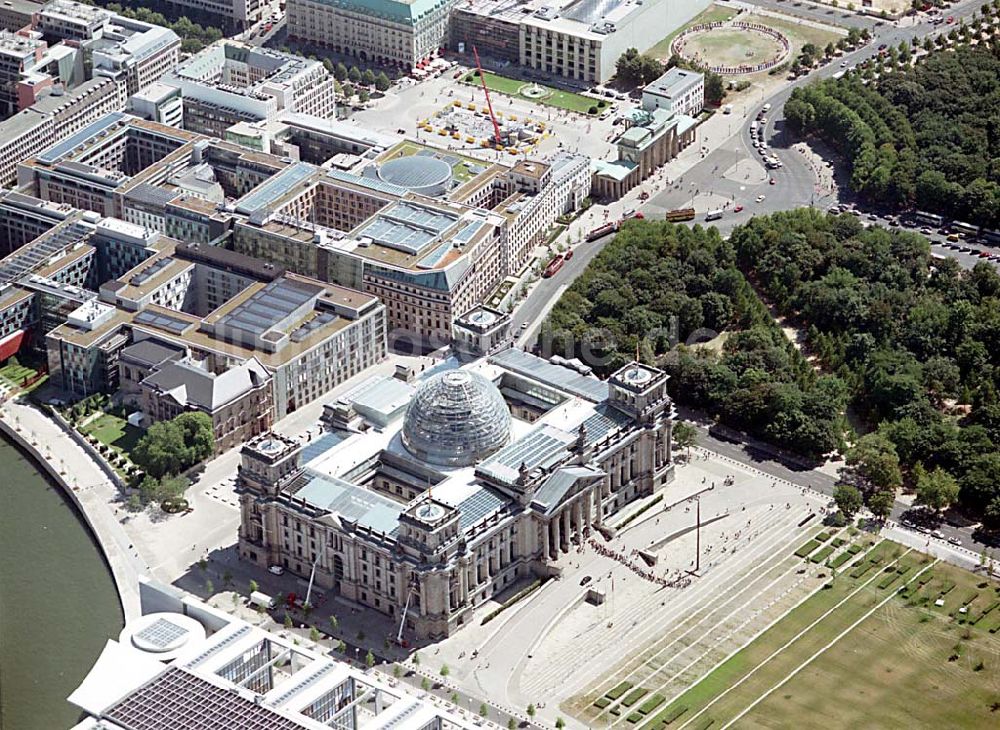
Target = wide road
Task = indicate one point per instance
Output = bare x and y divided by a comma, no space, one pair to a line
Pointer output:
795,188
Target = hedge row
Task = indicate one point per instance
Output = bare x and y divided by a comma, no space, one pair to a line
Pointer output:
618,691
807,548
822,554
634,515
840,559
634,696
601,702
652,703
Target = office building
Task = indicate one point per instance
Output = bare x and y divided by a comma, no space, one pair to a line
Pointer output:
403,33
184,664
679,91
241,323
230,82
578,40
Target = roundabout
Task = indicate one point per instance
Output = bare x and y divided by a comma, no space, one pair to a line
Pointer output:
733,48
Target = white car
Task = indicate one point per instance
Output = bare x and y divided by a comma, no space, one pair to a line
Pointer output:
760,198
276,570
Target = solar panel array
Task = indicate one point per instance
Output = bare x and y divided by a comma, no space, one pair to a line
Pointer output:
176,699
30,257
162,321
557,376
274,187
373,183
481,504
408,227
161,633
312,325
53,153
435,256
150,271
538,448
604,421
268,306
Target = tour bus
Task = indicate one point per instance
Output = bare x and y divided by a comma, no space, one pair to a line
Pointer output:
554,266
929,219
680,214
991,237
602,231
713,215
969,230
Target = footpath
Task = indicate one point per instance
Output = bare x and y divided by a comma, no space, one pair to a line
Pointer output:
87,486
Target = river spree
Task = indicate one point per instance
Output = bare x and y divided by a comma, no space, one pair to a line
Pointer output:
58,603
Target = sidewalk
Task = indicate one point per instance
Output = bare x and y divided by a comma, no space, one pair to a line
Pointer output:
86,484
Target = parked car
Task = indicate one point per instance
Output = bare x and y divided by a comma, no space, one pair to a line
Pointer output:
276,570
585,580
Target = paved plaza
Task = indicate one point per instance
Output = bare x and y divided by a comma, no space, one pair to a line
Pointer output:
558,650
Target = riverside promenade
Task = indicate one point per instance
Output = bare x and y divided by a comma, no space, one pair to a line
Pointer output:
87,485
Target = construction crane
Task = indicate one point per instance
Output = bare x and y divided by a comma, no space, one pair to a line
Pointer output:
414,587
489,104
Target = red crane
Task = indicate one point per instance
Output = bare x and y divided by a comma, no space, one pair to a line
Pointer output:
489,104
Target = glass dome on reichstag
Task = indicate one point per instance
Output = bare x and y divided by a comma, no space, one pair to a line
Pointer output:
455,419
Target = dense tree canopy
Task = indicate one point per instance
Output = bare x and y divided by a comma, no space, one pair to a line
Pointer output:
916,340
658,284
170,447
925,135
638,69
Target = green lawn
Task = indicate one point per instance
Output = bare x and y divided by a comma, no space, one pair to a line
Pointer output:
14,374
114,431
894,669
799,34
709,15
459,171
556,97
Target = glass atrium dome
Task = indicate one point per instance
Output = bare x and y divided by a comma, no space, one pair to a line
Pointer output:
455,419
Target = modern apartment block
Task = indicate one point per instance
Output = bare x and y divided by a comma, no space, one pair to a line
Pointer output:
133,53
579,40
427,499
430,233
231,82
304,337
18,14
386,32
18,55
97,61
